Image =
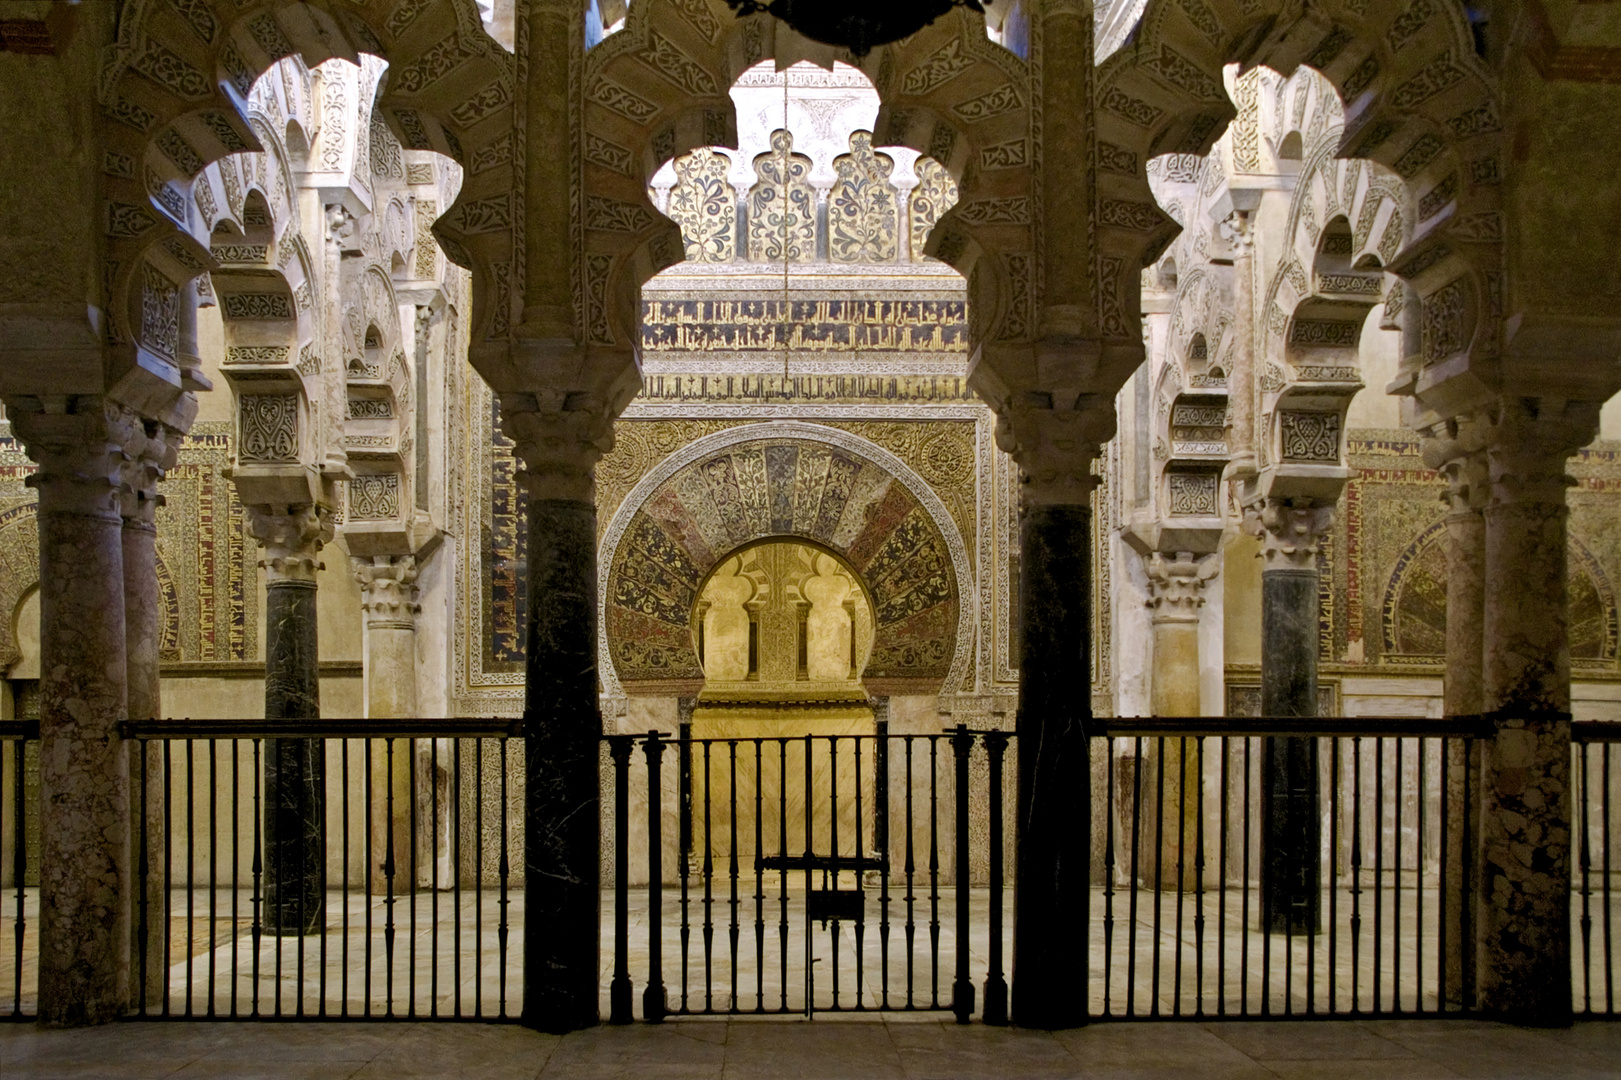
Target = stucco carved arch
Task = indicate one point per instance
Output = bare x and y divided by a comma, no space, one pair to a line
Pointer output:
174,99
659,88
1417,100
786,480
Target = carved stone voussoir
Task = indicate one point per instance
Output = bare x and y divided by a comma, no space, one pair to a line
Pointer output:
1289,530
292,537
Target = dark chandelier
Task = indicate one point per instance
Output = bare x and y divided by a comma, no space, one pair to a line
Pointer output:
857,25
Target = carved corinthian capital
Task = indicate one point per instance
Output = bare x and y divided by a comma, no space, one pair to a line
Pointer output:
559,440
1176,585
292,537
151,453
81,445
1290,531
1457,450
388,590
1055,449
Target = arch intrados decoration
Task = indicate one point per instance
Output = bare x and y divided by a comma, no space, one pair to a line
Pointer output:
1418,100
681,466
173,108
803,541
659,88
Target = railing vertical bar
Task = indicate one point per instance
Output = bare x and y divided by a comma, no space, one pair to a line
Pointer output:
709,892
759,880
1221,875
910,868
782,875
833,849
1108,878
1311,939
168,867
1395,895
343,895
1244,915
994,1008
654,1001
1466,885
861,909
433,878
1604,839
619,993
1135,883
143,915
1268,904
1378,871
236,867
389,869
1356,874
1442,922
1181,870
1585,862
1159,871
880,794
258,865
368,846
478,878
733,928
1418,883
685,869
213,868
413,881
934,871
453,814
191,869
1198,878
1333,869
962,989
810,817
503,874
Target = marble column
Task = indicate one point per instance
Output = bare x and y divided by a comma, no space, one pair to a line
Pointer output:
1176,593
562,717
1523,966
1051,895
1241,379
84,894
1291,824
1456,451
294,769
150,455
388,602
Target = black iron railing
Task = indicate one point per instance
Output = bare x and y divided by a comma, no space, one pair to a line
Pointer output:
407,911
815,873
1596,904
19,874
1283,867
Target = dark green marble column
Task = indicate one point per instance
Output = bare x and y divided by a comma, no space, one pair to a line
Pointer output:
294,769
563,724
1291,813
1050,936
1291,829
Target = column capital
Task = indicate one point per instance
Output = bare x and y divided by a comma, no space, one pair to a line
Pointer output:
559,438
1055,450
1290,530
149,455
292,537
1456,449
388,589
81,445
1528,442
1176,584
